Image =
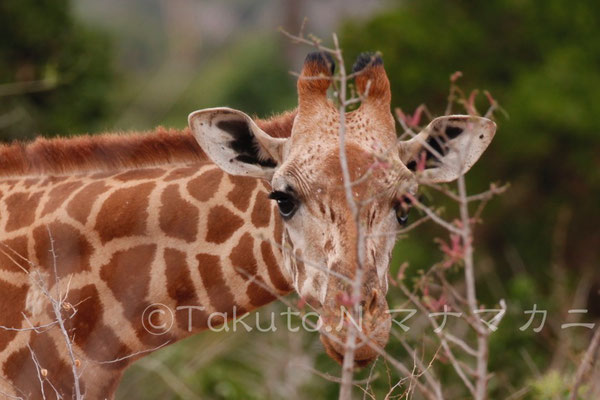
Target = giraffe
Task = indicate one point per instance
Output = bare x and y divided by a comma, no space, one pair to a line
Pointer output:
222,217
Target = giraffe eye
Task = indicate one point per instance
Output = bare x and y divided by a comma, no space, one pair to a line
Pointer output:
402,208
402,216
287,203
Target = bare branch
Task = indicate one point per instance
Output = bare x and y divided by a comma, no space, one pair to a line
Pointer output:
589,359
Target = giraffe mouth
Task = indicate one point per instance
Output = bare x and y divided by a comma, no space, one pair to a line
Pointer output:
363,356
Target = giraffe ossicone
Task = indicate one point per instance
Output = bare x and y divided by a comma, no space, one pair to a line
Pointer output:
226,215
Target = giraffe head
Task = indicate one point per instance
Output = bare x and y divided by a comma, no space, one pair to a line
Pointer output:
326,239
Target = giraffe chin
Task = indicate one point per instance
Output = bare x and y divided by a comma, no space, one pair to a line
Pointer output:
365,353
363,356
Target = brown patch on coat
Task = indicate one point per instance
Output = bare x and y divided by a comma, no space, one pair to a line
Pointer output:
222,223
179,281
206,185
242,257
20,208
58,195
22,372
13,253
261,213
132,293
10,310
178,217
273,268
301,269
124,213
241,194
181,289
98,341
278,232
217,289
135,263
258,292
64,245
81,204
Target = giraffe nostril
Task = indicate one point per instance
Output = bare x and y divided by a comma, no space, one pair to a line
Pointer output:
372,303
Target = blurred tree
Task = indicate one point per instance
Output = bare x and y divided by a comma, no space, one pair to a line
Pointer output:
540,59
55,74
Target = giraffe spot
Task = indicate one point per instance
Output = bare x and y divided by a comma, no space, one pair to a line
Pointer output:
206,185
275,275
261,213
10,310
20,208
13,253
217,289
242,257
258,293
179,280
240,195
181,289
278,231
22,372
178,218
139,174
58,195
67,244
124,213
181,173
127,275
81,204
300,267
98,341
222,223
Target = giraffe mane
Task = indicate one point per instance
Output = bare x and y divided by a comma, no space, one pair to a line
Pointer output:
115,151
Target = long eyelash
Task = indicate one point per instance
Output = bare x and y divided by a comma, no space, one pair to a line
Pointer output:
278,195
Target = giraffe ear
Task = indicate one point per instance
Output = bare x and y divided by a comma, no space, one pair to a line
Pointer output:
234,142
448,147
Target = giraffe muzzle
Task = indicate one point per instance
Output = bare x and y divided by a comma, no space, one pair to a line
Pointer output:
372,326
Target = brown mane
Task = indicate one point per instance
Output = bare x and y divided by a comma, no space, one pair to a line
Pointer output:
113,151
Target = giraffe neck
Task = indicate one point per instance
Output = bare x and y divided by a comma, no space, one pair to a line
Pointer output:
189,241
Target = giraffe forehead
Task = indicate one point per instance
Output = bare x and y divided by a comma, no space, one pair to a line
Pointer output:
370,128
318,173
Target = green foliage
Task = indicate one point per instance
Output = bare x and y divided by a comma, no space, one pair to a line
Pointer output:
250,76
43,42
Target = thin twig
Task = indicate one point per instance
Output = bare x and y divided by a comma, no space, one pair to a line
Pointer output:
589,359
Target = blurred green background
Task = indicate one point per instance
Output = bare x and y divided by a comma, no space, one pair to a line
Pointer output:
71,67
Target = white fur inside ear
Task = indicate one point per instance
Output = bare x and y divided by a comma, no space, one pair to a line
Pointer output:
234,142
453,144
